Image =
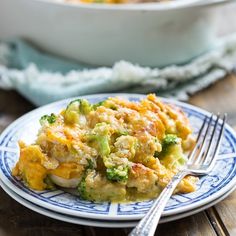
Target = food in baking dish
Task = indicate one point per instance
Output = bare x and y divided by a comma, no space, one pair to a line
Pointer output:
115,1
115,150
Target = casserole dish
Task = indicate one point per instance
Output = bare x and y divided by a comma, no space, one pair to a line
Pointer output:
150,34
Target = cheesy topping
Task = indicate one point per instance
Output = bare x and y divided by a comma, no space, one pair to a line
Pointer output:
115,150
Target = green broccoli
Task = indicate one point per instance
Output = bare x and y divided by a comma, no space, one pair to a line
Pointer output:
171,155
100,137
123,132
82,106
102,143
168,141
90,164
105,103
117,173
96,105
82,189
49,183
112,107
85,107
75,109
46,119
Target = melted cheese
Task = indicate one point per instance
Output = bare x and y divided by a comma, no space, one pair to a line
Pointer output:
132,133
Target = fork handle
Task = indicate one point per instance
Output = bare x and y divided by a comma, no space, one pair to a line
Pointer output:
147,226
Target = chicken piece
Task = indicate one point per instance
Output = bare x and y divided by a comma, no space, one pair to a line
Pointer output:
65,183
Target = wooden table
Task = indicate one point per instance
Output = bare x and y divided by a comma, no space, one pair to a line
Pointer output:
218,220
16,220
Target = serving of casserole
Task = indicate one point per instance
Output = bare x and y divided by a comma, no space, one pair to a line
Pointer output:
115,150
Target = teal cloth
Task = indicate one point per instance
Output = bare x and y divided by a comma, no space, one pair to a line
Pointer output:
23,54
44,78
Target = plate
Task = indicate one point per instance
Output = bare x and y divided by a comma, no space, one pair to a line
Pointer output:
210,187
100,223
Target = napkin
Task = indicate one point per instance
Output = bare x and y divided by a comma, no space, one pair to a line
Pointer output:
43,78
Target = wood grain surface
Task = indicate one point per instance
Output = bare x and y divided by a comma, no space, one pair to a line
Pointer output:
221,97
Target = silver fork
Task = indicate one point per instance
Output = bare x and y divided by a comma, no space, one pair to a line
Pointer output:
200,162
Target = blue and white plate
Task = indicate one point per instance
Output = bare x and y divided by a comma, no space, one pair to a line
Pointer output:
210,187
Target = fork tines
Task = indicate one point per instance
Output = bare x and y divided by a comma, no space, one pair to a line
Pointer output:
208,142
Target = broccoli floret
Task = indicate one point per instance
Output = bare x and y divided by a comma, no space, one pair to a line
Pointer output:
102,142
100,137
112,107
49,183
46,119
75,109
117,173
168,141
82,189
85,107
171,155
123,132
90,164
82,106
104,147
96,105
105,103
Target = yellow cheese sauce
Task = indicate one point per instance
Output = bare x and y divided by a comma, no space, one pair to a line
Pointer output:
115,150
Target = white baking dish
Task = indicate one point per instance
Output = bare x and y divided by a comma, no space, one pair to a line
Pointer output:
154,34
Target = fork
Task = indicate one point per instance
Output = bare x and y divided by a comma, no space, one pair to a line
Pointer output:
201,160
